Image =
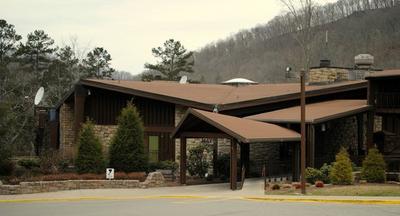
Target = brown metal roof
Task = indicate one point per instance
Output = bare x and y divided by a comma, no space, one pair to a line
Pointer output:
384,74
244,130
315,113
205,96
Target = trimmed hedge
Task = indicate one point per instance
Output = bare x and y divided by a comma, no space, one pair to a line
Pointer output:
373,167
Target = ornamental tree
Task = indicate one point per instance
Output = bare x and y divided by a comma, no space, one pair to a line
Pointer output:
341,172
127,146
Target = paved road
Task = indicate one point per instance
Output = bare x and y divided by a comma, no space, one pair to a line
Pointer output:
210,200
191,207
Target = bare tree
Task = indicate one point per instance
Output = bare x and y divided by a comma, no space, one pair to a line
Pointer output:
301,23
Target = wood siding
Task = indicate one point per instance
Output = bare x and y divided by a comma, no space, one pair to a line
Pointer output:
103,107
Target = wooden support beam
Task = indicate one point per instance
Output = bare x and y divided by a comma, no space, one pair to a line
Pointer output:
370,129
360,134
79,107
233,166
183,161
310,145
215,156
296,162
245,156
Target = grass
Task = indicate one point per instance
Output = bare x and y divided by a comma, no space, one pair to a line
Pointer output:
348,190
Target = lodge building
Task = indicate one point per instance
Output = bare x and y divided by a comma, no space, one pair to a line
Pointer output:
261,119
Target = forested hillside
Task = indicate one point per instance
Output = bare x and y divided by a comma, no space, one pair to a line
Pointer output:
262,53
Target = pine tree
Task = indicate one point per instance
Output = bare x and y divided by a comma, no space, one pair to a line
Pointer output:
127,146
90,156
174,59
341,172
97,64
373,167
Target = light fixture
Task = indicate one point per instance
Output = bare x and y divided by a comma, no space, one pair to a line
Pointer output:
323,127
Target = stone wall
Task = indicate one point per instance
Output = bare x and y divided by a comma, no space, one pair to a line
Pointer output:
260,153
339,132
154,179
105,133
328,75
67,132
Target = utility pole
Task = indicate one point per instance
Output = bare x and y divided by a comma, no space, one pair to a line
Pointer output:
303,131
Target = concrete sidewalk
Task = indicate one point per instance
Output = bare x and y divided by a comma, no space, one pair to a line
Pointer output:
252,191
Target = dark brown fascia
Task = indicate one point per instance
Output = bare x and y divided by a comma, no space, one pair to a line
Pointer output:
319,120
154,96
234,135
293,96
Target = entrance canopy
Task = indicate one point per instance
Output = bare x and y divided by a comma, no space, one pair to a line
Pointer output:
199,123
315,112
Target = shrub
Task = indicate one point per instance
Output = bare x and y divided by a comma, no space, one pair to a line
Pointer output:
319,184
7,167
49,161
313,175
275,187
325,170
169,165
29,163
127,146
373,167
90,155
341,172
197,161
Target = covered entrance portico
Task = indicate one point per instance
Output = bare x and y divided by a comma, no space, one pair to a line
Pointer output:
241,132
329,125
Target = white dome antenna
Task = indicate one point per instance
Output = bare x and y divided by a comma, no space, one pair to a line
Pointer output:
183,80
39,96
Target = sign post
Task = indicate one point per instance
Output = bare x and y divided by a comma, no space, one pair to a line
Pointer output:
110,173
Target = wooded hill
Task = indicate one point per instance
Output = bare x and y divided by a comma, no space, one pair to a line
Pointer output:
262,53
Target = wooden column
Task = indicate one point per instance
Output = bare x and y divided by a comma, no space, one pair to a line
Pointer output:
360,134
183,161
310,145
79,108
296,161
233,166
245,156
215,156
370,129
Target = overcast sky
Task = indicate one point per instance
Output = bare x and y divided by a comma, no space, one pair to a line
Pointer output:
128,29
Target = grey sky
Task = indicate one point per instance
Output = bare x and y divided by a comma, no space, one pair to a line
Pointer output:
128,29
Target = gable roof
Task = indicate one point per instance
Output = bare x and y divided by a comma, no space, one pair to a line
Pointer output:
315,112
206,96
244,130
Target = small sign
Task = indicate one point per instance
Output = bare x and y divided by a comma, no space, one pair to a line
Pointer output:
110,173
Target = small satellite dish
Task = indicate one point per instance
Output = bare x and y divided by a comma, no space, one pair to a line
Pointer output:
183,80
39,95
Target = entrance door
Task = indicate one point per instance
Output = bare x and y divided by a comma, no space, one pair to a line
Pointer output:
154,142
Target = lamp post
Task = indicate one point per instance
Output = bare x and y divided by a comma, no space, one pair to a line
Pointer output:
303,131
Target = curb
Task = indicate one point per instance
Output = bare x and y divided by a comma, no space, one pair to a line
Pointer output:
316,200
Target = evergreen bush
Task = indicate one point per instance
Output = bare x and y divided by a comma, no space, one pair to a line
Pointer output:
341,172
373,167
90,156
313,175
127,146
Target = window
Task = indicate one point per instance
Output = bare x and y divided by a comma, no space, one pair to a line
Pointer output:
153,148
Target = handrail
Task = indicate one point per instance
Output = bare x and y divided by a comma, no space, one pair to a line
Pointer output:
243,176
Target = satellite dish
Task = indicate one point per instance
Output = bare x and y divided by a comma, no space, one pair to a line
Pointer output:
183,80
39,95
